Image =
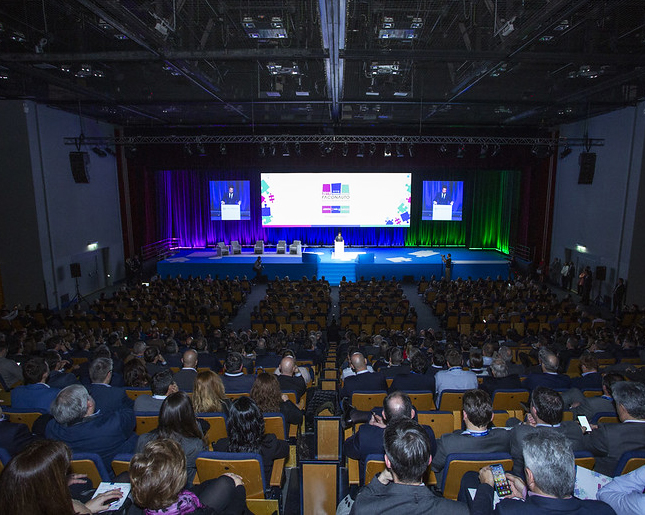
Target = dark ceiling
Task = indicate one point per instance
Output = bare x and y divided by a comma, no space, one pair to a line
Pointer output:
341,65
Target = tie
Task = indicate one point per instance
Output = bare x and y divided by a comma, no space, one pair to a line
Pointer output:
443,196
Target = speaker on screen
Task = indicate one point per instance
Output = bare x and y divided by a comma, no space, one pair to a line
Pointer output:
80,165
587,167
75,269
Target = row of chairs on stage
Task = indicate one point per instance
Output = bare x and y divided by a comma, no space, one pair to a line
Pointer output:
235,248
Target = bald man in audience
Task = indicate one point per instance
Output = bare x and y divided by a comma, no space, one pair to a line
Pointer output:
364,380
185,378
288,379
549,376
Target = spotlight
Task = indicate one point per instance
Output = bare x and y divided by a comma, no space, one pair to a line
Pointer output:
201,151
387,151
495,151
411,149
565,152
188,149
272,148
262,151
483,152
461,151
361,150
222,149
296,147
99,151
399,150
372,149
443,149
345,149
285,150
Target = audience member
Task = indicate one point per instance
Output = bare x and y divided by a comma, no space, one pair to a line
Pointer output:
162,385
185,378
14,437
500,379
106,397
288,380
455,378
549,376
36,393
625,494
209,395
234,379
364,380
270,399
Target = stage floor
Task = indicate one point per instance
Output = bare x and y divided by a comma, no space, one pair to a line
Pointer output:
357,262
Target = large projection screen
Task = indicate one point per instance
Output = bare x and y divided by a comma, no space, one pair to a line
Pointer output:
335,199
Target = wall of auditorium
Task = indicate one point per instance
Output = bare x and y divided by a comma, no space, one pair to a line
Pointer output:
20,256
602,216
61,216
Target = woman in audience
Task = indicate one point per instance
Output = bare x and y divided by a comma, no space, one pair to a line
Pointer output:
270,399
158,477
177,422
245,427
209,395
135,374
36,482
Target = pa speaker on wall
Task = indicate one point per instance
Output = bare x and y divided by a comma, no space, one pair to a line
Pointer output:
75,269
601,273
80,164
587,167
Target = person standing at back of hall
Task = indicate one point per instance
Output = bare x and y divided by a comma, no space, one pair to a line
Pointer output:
447,261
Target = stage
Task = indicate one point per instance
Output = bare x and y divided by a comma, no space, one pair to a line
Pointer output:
356,263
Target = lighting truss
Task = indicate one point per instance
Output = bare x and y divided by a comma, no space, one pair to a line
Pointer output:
335,139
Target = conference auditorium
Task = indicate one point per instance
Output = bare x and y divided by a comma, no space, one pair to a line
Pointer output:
315,257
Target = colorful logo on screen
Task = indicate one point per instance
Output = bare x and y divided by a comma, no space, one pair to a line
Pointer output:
335,210
335,191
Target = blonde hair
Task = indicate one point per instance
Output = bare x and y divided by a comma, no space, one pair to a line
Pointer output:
208,392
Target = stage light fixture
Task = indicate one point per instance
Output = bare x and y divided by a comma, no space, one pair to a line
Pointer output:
443,149
495,150
483,152
565,152
372,149
461,151
222,149
296,147
285,150
387,150
361,150
411,149
345,149
262,152
272,149
188,149
201,151
399,150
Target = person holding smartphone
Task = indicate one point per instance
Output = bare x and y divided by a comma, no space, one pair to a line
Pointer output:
550,470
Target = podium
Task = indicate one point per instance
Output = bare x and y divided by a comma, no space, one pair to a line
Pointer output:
230,212
441,212
339,249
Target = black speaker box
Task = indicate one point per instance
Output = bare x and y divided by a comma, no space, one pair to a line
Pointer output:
75,269
80,165
601,273
587,162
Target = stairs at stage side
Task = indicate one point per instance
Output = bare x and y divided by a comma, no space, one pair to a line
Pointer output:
334,272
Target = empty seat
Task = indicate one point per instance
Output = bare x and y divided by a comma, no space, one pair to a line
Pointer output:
222,249
259,247
281,247
295,247
236,248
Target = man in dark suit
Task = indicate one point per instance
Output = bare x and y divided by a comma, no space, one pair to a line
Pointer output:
590,378
608,442
14,437
369,437
185,378
416,380
107,398
618,296
363,380
58,378
549,376
232,197
399,488
36,393
77,424
546,407
288,380
234,379
443,198
500,380
477,414
550,477
395,365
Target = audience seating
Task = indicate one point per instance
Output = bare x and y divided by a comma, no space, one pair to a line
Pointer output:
121,463
217,429
23,416
365,401
629,462
458,464
274,424
281,248
604,417
585,459
295,247
222,249
92,465
327,435
422,401
451,400
236,248
5,457
146,421
258,247
133,393
509,399
319,491
441,422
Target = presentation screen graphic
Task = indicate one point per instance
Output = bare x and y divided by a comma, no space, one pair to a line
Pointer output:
443,200
230,200
336,199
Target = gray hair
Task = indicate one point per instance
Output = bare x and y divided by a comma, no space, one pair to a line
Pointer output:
548,359
499,368
99,369
549,456
138,348
70,405
632,397
505,353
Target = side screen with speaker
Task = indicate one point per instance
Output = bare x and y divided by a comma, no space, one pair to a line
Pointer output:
587,167
80,165
75,269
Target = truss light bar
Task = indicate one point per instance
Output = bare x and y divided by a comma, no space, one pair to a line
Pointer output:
417,23
388,22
